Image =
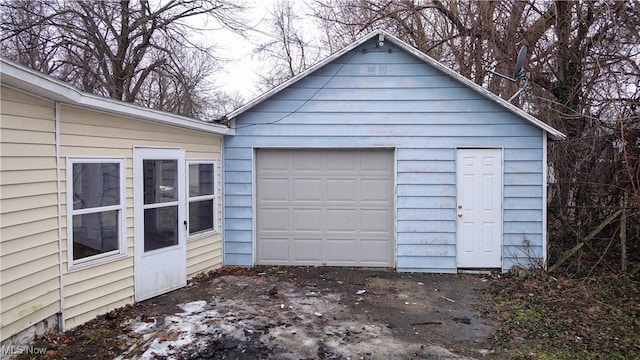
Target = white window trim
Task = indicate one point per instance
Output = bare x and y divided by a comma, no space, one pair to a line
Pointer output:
214,198
122,233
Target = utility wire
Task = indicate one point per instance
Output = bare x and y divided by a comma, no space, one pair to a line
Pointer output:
306,101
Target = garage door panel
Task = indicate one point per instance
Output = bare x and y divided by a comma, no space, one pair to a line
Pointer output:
372,251
273,220
379,161
376,221
342,220
277,161
343,162
325,207
342,190
376,191
342,250
307,190
308,162
274,250
307,220
307,250
274,190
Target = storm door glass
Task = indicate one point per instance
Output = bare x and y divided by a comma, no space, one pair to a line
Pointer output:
160,203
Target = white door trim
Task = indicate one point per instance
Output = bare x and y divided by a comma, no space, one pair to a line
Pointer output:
168,261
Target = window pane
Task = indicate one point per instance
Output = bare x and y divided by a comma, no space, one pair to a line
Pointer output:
160,181
160,227
200,216
200,179
95,233
95,185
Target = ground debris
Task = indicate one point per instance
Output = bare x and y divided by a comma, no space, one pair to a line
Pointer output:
282,313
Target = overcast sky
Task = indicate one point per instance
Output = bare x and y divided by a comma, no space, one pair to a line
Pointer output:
239,73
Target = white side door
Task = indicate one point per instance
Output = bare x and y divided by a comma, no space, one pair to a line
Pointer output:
479,208
160,235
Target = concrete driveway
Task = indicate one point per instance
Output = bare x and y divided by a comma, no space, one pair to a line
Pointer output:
311,313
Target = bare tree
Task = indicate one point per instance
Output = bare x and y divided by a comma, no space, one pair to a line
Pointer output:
289,50
117,49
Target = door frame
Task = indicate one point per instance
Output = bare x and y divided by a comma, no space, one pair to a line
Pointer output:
177,253
501,201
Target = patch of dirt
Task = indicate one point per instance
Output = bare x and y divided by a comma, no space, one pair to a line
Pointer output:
292,313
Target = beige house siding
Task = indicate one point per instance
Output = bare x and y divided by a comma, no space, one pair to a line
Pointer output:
103,287
29,266
29,242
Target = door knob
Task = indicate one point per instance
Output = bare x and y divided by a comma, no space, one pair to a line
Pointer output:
459,214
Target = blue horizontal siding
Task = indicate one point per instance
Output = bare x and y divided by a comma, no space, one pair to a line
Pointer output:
431,250
238,188
427,270
425,202
523,191
411,178
237,224
417,262
426,225
238,153
393,100
430,238
522,203
238,248
426,190
231,200
418,166
534,154
398,118
237,165
236,259
425,214
381,82
522,227
408,68
237,177
523,215
381,130
527,256
239,212
403,106
309,140
426,94
242,236
426,154
523,166
519,239
523,179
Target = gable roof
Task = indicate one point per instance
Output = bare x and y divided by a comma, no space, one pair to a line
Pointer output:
34,82
553,133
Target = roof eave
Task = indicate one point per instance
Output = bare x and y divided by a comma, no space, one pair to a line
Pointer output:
34,82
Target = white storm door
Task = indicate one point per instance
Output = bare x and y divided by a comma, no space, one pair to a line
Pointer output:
160,235
479,208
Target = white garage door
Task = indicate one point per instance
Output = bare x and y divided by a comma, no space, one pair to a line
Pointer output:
325,207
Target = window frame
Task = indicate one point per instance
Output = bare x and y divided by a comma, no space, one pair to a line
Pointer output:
213,197
121,208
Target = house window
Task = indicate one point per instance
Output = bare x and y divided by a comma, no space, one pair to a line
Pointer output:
202,197
96,209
